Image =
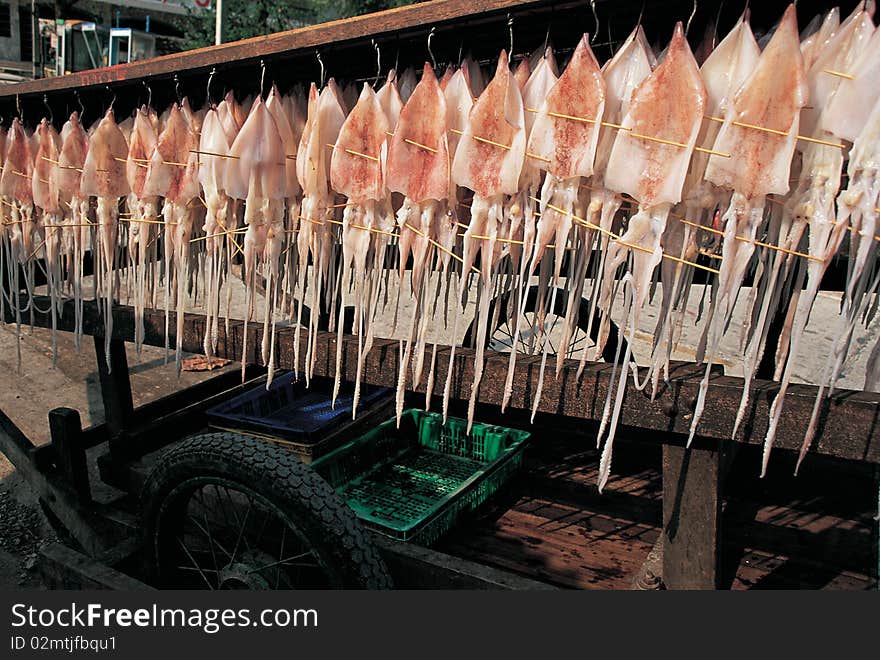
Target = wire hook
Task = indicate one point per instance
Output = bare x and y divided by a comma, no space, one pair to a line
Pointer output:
687,26
510,31
378,62
82,108
430,50
48,108
177,89
596,21
262,76
149,94
18,106
321,62
113,99
208,88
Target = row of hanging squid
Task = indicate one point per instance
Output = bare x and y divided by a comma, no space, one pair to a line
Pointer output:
591,180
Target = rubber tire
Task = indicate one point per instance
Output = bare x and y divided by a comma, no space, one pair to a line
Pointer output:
307,500
559,310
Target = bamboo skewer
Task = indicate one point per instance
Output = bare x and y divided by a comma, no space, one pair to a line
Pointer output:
745,239
60,166
631,132
37,249
709,117
414,143
840,74
211,153
355,153
225,232
633,246
440,247
147,221
498,144
775,131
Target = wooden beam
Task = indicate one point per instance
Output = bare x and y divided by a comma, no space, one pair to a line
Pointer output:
848,427
66,431
115,389
691,518
417,16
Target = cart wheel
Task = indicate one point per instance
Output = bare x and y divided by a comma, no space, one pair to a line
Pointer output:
226,511
501,338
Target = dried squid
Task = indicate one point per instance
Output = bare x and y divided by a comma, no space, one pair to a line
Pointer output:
669,104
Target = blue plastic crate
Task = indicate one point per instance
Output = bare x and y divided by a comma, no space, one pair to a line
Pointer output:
290,411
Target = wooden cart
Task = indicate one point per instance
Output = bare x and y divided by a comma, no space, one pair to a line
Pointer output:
669,519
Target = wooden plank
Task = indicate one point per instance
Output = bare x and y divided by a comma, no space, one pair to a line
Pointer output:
65,568
416,567
65,429
691,518
115,387
848,427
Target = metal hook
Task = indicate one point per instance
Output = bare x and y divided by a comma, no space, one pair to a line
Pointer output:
430,50
717,23
378,62
112,100
82,108
687,26
262,76
596,20
49,108
208,88
18,106
177,88
321,62
510,30
149,94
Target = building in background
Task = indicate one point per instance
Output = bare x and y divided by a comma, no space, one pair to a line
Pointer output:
73,35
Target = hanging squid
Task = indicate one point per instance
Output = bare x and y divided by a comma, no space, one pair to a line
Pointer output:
418,168
104,177
669,104
488,161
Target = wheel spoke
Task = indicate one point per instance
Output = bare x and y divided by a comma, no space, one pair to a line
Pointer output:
280,554
287,561
241,530
195,563
209,535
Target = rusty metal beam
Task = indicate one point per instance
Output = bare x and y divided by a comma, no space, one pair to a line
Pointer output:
848,428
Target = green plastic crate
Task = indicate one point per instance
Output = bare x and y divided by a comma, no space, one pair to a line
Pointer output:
412,483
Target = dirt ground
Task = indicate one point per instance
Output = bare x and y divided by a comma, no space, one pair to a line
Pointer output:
37,385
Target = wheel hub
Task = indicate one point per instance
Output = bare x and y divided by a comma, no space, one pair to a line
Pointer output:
246,572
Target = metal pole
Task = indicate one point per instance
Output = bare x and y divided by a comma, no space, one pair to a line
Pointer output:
36,44
220,22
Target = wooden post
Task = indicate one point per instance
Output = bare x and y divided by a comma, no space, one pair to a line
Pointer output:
692,517
70,452
115,388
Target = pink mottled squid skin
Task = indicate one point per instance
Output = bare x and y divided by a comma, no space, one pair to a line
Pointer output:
668,104
104,177
422,176
520,211
257,173
143,207
47,202
631,64
357,170
759,165
68,175
566,150
491,172
324,121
